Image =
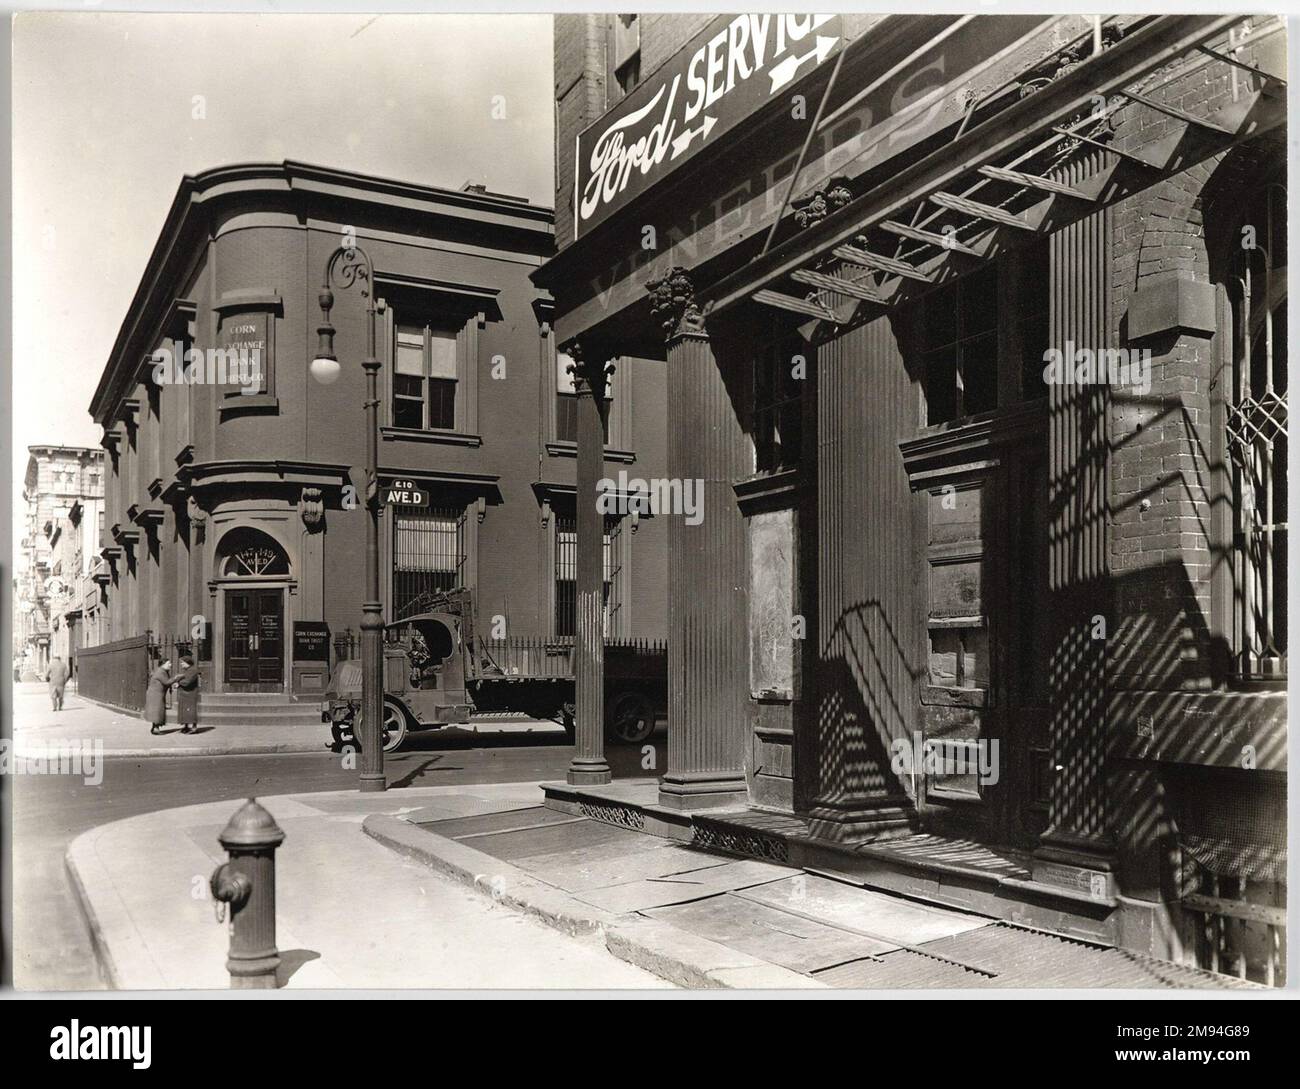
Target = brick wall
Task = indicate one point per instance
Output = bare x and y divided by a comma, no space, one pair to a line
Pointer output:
1163,465
579,100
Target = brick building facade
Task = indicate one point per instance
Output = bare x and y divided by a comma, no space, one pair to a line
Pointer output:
958,624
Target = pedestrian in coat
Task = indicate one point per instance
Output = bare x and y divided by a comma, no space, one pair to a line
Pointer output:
187,695
57,675
155,697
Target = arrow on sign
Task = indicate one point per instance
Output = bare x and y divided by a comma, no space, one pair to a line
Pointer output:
784,72
682,142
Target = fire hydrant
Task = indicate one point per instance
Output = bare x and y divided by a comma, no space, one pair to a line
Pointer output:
244,887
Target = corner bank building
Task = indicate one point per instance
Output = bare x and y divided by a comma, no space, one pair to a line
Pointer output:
974,329
235,499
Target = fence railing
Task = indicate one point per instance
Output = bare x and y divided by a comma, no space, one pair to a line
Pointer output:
539,656
525,656
115,673
347,645
169,648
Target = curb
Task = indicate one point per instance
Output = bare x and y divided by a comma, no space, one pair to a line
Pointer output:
299,747
84,868
98,946
665,951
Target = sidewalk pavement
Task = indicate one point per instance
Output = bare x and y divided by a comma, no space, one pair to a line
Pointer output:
704,919
350,912
37,727
482,886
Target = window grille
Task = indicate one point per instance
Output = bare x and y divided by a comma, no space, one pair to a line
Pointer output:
566,576
428,554
1257,438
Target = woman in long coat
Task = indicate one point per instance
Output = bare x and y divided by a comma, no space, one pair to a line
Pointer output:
155,696
187,695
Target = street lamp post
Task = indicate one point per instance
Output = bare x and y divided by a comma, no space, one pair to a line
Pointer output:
347,265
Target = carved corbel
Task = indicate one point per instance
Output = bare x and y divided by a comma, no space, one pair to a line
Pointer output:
311,507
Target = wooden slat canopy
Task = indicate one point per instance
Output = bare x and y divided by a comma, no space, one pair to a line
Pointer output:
997,183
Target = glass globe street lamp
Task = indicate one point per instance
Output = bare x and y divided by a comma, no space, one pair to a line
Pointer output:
348,265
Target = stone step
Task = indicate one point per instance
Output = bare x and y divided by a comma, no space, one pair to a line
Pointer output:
296,716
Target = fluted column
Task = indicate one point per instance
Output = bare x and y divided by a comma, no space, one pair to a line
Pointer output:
588,767
708,586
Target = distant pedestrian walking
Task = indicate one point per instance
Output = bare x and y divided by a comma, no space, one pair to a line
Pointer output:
187,695
155,697
57,675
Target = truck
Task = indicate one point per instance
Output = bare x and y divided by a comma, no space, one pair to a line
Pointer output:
439,669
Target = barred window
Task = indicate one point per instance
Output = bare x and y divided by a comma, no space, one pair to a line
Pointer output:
566,576
428,555
1257,436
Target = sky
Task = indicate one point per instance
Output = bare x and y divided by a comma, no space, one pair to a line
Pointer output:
106,122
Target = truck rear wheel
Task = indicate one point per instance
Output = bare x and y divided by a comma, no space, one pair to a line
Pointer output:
631,718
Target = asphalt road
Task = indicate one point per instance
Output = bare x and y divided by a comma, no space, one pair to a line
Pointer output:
51,942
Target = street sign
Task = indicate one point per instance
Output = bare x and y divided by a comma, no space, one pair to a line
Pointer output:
405,493
736,65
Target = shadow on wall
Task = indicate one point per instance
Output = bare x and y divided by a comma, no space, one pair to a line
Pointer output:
861,709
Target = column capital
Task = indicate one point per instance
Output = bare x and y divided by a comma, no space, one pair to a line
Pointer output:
672,302
591,370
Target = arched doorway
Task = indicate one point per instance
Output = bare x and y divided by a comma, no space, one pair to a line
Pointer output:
253,574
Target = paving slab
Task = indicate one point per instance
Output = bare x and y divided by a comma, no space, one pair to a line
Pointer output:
496,820
560,836
576,872
891,918
673,954
792,941
707,920
659,891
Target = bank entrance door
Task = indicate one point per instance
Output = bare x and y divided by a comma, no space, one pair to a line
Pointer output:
254,642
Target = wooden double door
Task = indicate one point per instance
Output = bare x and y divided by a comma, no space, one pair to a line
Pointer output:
254,639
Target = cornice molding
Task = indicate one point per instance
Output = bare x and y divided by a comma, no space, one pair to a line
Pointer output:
192,215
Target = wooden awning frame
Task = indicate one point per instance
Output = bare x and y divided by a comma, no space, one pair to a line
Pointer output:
988,189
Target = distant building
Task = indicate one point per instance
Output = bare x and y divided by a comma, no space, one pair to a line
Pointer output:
63,491
235,502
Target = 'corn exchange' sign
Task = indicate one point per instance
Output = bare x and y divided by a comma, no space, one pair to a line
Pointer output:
734,67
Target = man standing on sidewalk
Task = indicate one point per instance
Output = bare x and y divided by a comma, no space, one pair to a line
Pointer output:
57,675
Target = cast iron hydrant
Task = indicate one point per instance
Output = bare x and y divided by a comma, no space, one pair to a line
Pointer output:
245,888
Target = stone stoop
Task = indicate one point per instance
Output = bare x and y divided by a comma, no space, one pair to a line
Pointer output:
253,709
